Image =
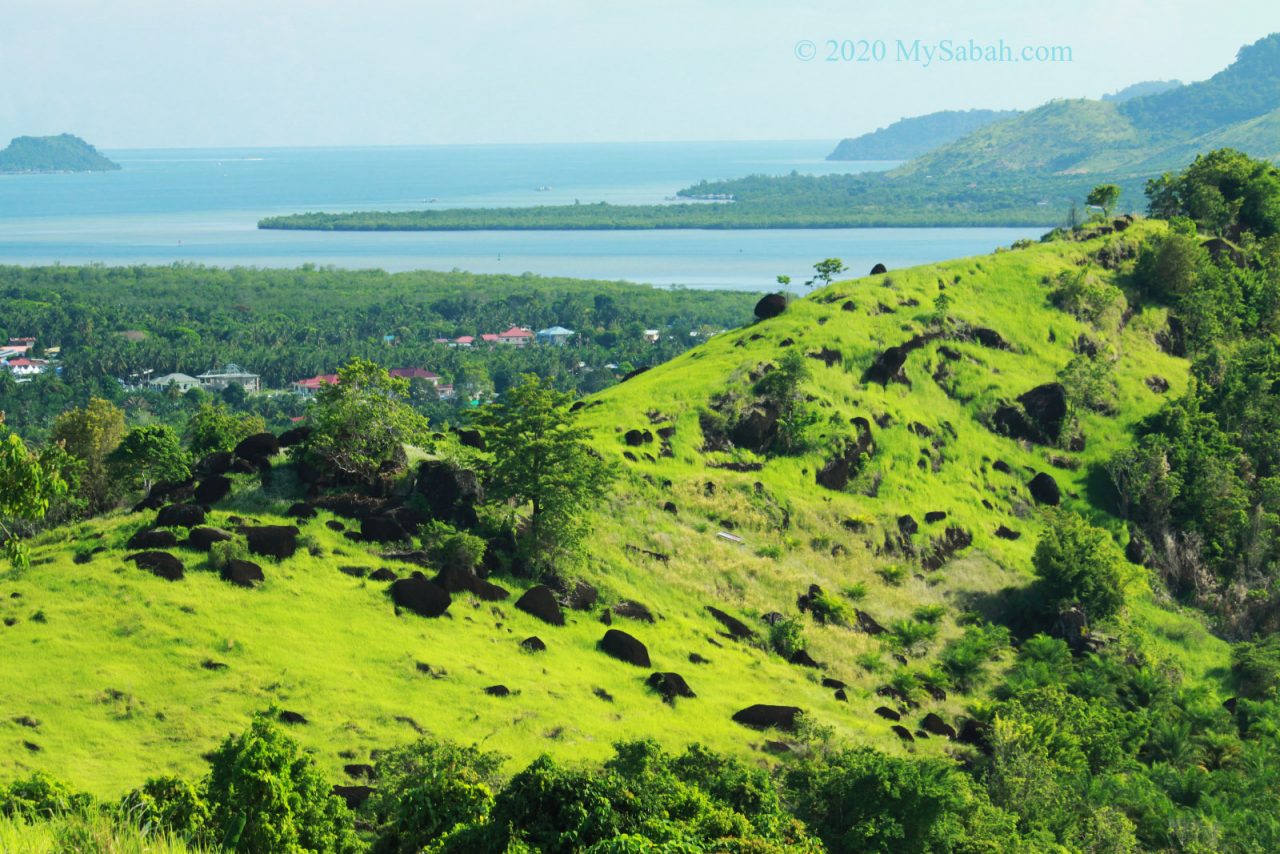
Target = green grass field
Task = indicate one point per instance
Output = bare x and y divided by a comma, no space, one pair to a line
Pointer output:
109,659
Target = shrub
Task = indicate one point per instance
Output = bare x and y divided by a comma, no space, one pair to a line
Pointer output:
929,613
827,609
786,636
1080,564
1255,668
911,637
223,552
429,788
40,795
855,592
892,574
265,794
450,547
964,659
167,805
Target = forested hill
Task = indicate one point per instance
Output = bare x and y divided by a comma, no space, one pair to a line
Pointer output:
64,153
911,137
1145,134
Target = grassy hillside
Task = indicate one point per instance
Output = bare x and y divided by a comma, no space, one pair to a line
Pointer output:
113,674
913,136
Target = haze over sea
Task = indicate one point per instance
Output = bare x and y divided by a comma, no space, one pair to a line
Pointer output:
202,206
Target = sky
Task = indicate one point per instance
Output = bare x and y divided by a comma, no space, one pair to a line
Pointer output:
228,73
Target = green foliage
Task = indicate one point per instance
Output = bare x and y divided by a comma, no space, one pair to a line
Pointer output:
964,659
1104,196
40,795
147,455
892,574
62,153
1225,192
1090,384
1080,565
863,800
783,389
786,636
450,547
825,271
541,458
1089,298
265,794
362,422
1255,666
213,427
168,805
912,637
827,609
28,485
223,552
90,433
427,789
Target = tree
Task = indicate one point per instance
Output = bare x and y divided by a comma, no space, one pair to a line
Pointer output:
825,271
148,455
1080,565
213,427
1104,196
784,282
783,388
265,794
90,434
26,489
541,458
362,422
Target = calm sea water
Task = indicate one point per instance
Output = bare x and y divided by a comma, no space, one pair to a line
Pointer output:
202,206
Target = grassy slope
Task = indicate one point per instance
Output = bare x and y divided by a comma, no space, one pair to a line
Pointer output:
114,672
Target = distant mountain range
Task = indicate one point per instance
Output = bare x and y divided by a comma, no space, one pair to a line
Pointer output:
1239,107
63,153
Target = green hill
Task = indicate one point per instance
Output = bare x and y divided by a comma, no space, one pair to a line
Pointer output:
911,137
63,153
1143,134
113,674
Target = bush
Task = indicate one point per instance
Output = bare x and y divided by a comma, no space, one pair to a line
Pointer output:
893,574
265,794
429,788
911,637
828,610
1255,668
786,636
964,659
450,547
40,795
168,805
223,552
1080,565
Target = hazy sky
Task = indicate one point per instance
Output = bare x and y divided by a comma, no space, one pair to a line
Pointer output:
161,73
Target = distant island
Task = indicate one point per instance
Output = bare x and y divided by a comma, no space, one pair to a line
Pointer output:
63,153
911,137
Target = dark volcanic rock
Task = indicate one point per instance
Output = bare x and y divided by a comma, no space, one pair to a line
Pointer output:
215,463
827,356
382,529
636,438
358,771
180,516
763,716
258,446
300,510
836,472
633,611
670,686
498,691
902,732
888,713
294,436
242,573
213,489
1006,533
771,305
416,593
541,603
1037,417
937,726
533,644
353,795
624,647
451,493
202,539
879,269
804,659
757,428
941,549
908,525
935,516
161,564
149,538
487,591
868,624
278,541
736,627
582,596
1044,489
470,439
382,574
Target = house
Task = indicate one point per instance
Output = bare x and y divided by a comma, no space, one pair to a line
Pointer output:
554,335
183,382
230,374
463,341
516,336
24,369
489,338
652,335
416,374
311,385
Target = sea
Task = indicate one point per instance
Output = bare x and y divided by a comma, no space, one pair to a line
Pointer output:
201,206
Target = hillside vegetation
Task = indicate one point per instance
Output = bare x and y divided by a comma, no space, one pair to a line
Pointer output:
911,137
975,556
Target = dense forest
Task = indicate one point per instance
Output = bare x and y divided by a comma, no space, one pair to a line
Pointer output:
112,323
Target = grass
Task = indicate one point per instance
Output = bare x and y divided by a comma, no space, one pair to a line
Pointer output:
113,674
90,834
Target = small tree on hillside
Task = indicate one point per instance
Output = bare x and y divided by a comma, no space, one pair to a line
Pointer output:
1080,565
825,271
542,459
148,455
90,434
783,387
1104,196
213,427
362,421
